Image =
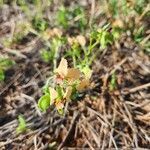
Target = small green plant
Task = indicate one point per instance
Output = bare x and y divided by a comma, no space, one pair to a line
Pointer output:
39,23
140,5
113,82
101,36
5,63
116,33
78,15
113,6
22,127
24,6
51,53
118,8
75,52
139,34
63,17
104,36
80,54
47,55
71,18
65,84
20,31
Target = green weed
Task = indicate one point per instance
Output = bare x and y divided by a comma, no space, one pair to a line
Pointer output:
22,127
5,63
51,54
63,17
39,23
113,82
21,30
71,18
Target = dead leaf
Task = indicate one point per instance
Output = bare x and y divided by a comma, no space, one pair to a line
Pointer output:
146,107
68,93
73,74
81,40
57,32
59,105
53,32
83,84
53,95
118,23
72,40
144,118
62,69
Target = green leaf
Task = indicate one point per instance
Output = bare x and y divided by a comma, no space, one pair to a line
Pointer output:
103,40
113,83
2,76
113,6
62,17
60,93
139,34
116,33
6,63
82,21
46,55
39,23
44,102
22,127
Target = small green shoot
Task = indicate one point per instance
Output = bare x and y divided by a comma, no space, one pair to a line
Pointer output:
140,5
117,8
116,33
139,34
51,54
47,55
113,7
22,127
101,36
39,23
62,17
21,30
113,82
75,53
5,64
2,75
81,22
71,18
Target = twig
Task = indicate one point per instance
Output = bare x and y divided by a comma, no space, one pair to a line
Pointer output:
15,52
12,82
135,89
116,67
75,116
92,12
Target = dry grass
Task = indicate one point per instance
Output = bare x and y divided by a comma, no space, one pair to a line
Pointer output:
99,119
